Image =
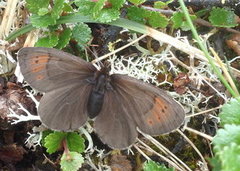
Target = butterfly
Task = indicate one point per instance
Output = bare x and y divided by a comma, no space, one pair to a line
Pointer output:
75,91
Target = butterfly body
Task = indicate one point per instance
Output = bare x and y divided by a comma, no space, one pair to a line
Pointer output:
75,91
101,83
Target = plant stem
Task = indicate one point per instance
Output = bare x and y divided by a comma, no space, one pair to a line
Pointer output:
205,51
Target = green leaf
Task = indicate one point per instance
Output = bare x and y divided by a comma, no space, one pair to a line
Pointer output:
117,4
42,21
43,11
81,33
54,141
98,11
230,113
57,9
64,38
136,14
71,162
161,5
34,6
230,157
108,15
85,7
137,2
45,134
155,19
179,21
75,142
44,18
230,134
48,41
154,166
215,163
98,7
222,17
67,8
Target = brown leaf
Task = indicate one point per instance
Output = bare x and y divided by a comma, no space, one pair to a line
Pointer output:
181,82
234,43
120,163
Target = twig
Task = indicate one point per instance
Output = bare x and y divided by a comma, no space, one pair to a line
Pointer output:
199,133
119,49
203,112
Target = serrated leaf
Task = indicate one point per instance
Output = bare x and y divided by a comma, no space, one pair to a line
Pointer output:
229,134
75,142
81,33
43,11
215,163
137,2
67,8
117,4
230,113
64,38
54,141
154,166
71,162
136,14
222,17
155,19
48,41
108,15
45,134
161,5
42,21
57,9
230,157
34,7
98,7
179,21
85,7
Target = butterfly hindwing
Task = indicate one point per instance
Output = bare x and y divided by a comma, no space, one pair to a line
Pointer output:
65,108
113,125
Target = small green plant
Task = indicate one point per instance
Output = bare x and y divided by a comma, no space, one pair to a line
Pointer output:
72,144
227,141
223,17
154,166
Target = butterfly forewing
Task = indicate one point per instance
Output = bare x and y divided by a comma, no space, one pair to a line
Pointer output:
64,78
46,69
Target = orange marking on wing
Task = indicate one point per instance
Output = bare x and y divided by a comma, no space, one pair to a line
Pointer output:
154,115
43,59
40,59
38,68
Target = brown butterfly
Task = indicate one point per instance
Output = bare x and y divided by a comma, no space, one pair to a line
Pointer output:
75,90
